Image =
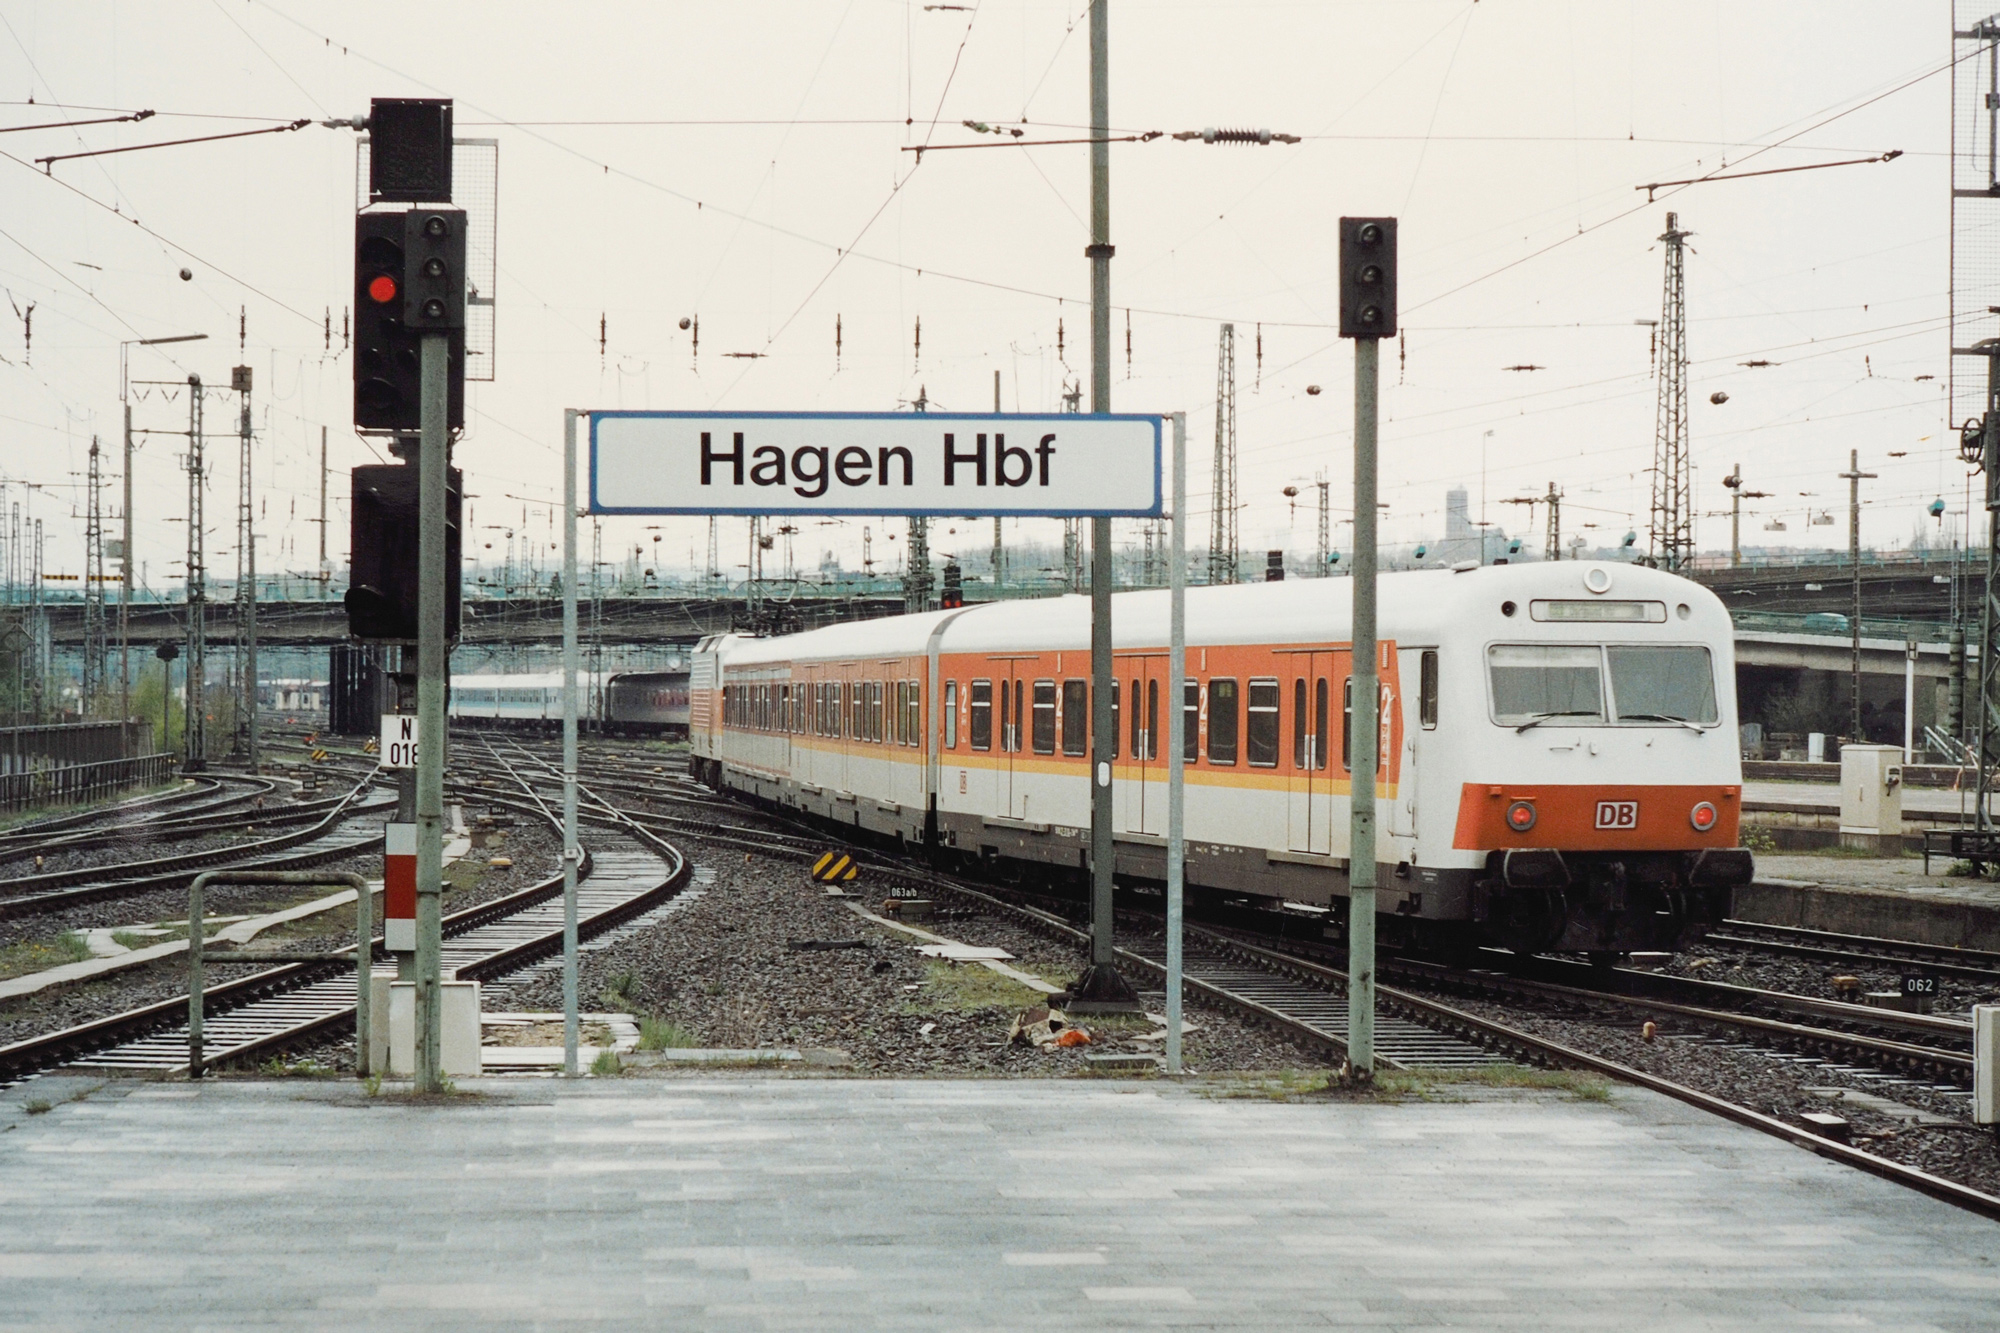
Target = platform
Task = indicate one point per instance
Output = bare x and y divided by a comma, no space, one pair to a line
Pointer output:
773,1202
1887,897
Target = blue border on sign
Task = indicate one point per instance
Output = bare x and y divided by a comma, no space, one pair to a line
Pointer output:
1157,420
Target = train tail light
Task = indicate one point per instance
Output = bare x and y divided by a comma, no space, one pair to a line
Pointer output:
1521,816
1702,817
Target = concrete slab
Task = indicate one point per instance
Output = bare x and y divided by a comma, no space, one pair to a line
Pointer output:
704,1202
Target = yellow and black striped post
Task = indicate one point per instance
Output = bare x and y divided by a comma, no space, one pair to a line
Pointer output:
835,868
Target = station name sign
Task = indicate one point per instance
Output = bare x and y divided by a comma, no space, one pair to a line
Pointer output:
917,463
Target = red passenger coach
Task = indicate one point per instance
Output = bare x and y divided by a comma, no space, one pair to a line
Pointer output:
1558,762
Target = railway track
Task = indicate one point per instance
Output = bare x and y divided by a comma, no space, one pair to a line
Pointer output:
325,840
205,795
1831,946
1306,999
291,1003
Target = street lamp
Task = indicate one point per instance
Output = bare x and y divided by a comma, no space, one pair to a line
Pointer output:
125,550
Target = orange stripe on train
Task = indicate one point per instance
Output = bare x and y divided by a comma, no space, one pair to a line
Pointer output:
1590,817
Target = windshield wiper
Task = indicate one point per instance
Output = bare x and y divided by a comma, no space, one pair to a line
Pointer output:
1540,718
1660,717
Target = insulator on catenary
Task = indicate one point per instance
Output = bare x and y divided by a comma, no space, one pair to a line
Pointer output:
1213,135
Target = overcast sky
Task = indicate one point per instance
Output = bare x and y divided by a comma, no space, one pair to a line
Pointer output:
744,163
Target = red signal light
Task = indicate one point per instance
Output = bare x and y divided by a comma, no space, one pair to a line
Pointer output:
1702,817
1521,816
382,289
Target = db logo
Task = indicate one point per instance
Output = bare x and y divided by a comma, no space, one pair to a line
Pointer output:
1618,814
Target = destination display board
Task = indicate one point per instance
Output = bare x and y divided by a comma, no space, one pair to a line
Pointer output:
914,463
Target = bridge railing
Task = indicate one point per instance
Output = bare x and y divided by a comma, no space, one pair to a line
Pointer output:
72,784
1896,629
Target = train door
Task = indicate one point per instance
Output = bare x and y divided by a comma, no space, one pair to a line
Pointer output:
1147,717
1419,712
1308,693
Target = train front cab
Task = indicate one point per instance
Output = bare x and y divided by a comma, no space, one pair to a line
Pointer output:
1599,792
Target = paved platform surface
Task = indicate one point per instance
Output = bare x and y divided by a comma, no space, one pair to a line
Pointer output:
1825,797
1897,874
754,1203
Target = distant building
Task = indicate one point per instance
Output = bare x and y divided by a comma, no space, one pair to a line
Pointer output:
1462,535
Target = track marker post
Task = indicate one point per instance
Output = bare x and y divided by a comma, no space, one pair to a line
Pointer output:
1367,315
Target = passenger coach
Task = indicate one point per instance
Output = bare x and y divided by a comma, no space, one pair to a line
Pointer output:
1558,756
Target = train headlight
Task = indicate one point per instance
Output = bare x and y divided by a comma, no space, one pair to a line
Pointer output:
1702,817
1521,816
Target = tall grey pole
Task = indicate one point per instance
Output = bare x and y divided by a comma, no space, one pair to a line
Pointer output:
247,603
1176,743
1366,743
433,460
572,850
125,585
1854,476
1101,984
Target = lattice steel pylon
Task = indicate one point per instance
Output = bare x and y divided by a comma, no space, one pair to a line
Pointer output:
194,729
1673,506
245,738
96,647
1222,540
1325,553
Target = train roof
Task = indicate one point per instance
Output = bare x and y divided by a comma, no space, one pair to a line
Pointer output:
1414,607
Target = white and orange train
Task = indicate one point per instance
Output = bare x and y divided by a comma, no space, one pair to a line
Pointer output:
1559,756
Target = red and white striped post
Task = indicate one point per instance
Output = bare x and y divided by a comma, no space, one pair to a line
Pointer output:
399,888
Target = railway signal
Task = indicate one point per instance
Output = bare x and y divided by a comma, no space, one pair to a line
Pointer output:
1368,277
1367,315
383,588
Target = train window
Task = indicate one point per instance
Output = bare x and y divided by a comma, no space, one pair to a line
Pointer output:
1301,755
836,698
876,732
1662,684
898,692
951,715
1138,729
1532,682
1221,720
916,713
1020,717
784,708
1044,734
1152,720
1347,724
727,718
1115,705
982,714
1190,720
1006,718
1262,741
1427,689
1076,716
1319,725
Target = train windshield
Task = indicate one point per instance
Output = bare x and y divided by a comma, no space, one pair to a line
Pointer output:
1664,684
1533,681
1556,683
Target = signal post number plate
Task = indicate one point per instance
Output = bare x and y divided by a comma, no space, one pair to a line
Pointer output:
1610,814
399,741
